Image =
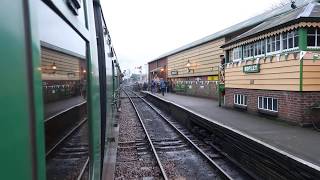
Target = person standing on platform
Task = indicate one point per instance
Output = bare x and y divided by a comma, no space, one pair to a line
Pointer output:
162,86
152,86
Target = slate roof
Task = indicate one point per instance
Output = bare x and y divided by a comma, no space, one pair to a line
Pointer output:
247,23
311,10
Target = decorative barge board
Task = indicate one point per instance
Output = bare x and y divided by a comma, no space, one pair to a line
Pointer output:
274,68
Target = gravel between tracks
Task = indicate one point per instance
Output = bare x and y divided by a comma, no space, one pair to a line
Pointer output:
179,159
134,157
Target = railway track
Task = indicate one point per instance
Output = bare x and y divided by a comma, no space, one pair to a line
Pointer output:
67,148
69,158
162,170
180,152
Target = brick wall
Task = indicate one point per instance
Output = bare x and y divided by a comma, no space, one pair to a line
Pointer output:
162,62
292,106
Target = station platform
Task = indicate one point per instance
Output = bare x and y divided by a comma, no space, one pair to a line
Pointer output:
302,143
51,109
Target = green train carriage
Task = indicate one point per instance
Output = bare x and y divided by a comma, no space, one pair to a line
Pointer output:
55,55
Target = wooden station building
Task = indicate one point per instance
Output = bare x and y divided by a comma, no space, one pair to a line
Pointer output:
193,68
267,64
274,68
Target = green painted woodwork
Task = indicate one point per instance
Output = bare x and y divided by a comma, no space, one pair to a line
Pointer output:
93,96
39,134
302,47
15,147
302,39
301,76
254,68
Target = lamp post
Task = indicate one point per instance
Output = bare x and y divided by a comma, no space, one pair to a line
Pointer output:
188,65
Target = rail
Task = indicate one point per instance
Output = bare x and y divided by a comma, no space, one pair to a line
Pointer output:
52,149
64,111
214,164
148,137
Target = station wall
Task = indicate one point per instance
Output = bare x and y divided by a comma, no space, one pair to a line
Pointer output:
204,60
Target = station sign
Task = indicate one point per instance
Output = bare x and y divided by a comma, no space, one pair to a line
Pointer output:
213,78
174,72
254,68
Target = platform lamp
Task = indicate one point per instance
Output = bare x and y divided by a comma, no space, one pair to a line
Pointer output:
188,65
53,67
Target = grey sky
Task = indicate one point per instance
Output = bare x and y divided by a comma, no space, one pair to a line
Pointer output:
142,30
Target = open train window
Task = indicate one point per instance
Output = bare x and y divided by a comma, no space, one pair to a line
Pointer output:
64,86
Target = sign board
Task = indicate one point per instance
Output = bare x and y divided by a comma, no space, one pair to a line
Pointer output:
213,78
174,72
254,68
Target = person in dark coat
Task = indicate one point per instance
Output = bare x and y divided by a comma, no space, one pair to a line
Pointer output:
162,86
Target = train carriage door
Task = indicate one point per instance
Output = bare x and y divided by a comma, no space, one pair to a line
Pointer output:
70,83
64,87
22,147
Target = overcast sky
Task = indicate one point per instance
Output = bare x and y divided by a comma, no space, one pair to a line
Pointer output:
142,30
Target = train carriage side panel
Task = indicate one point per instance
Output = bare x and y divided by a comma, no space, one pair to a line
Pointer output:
21,135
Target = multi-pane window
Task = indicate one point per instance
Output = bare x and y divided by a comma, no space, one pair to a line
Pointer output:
240,99
237,53
230,55
273,44
290,40
268,103
259,48
313,37
277,42
248,50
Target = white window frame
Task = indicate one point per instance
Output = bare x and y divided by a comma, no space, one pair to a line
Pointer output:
261,45
317,46
266,109
244,49
273,52
237,50
243,98
231,58
287,40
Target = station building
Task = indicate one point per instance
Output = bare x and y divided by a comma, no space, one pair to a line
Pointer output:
193,69
274,68
157,69
269,64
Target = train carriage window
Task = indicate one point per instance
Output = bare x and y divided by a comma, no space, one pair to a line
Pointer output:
64,84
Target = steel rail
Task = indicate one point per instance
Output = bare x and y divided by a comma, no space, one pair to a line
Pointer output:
223,172
83,169
65,137
149,139
64,111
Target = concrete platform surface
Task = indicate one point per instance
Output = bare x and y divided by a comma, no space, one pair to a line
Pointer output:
58,106
303,143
